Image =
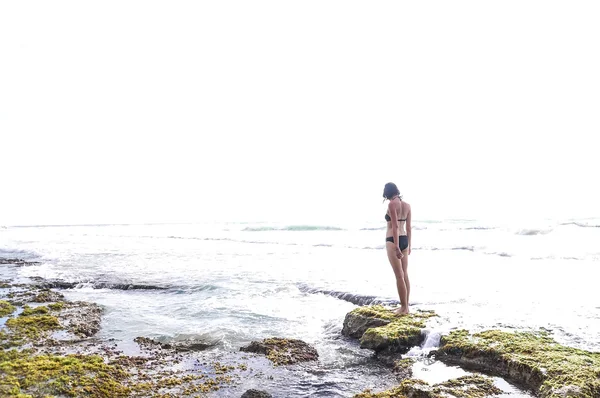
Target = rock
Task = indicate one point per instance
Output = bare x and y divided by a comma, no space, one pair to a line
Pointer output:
17,261
190,345
568,391
46,296
23,294
283,351
146,342
180,346
465,386
356,324
81,318
256,394
60,284
403,368
6,308
382,330
530,359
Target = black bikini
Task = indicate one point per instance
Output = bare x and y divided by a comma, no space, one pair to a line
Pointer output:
387,218
403,239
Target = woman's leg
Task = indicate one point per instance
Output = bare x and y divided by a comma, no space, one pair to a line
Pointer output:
405,273
400,284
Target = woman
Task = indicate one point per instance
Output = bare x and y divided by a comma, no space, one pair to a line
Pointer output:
398,242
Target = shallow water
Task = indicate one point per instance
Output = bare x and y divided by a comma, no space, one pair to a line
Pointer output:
234,283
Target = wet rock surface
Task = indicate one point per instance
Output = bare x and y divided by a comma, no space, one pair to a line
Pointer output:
60,284
180,346
403,367
380,329
531,359
467,386
81,318
47,295
16,262
256,394
51,350
356,324
283,351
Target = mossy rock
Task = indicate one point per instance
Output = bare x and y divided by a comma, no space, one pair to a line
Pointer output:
6,308
283,351
24,375
32,326
530,359
471,386
384,330
47,295
359,320
28,311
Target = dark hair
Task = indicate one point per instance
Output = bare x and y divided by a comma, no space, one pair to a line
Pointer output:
390,190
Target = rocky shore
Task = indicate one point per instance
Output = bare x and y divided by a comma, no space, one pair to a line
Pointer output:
50,348
533,361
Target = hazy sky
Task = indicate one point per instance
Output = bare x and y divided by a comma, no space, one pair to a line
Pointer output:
155,111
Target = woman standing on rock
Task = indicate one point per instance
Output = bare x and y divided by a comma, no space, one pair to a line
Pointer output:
398,242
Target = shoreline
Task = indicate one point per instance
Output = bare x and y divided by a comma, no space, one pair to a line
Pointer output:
40,327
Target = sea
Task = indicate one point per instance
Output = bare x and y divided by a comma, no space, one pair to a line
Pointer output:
232,283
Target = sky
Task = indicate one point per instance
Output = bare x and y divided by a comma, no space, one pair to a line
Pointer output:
156,111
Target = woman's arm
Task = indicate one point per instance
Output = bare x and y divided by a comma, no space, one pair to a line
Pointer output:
409,228
393,210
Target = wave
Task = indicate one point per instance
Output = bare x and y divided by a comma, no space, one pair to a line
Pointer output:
531,232
467,248
61,284
557,258
578,224
358,299
501,254
18,253
294,228
415,227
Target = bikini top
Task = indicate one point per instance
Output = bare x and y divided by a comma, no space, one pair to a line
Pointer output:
387,218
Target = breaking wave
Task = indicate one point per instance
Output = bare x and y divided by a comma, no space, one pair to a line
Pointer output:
294,228
579,224
358,299
61,284
530,232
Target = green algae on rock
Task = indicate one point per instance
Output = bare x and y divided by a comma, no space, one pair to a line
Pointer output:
384,330
36,362
32,326
28,311
56,306
6,308
530,359
360,319
470,386
71,375
283,351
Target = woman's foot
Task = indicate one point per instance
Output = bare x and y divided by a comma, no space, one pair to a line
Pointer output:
401,311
